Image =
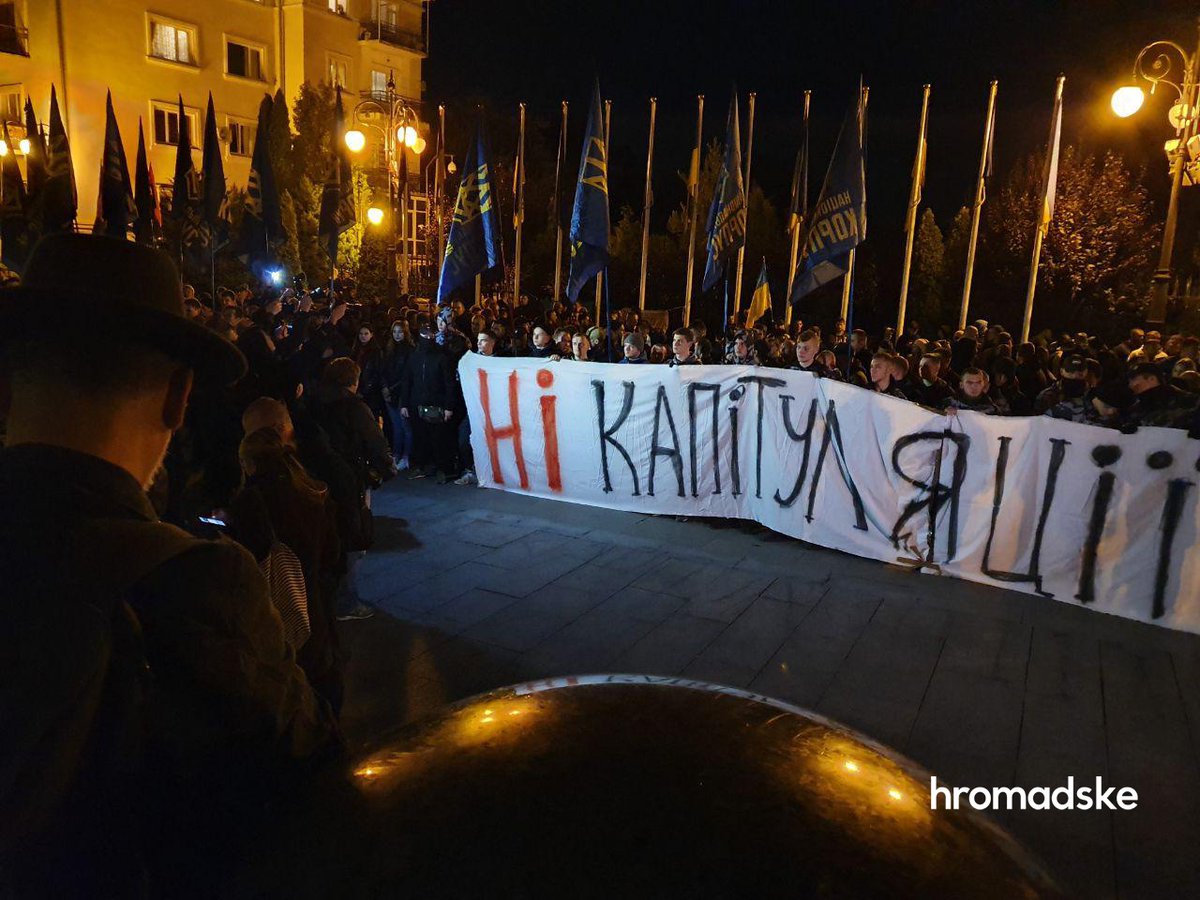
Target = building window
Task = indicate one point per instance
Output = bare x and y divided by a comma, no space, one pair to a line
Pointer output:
12,35
243,60
241,138
12,103
166,124
339,70
337,6
379,82
172,41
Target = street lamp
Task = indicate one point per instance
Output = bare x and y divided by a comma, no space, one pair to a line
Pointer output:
400,131
1156,64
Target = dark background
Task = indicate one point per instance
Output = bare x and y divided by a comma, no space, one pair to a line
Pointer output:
501,53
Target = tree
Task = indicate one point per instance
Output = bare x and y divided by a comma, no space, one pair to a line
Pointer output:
928,274
956,258
1098,252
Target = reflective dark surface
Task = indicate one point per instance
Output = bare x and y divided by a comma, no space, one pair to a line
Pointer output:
623,786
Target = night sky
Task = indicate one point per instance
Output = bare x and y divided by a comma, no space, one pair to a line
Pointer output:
500,53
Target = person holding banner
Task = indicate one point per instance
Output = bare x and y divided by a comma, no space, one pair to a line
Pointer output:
682,342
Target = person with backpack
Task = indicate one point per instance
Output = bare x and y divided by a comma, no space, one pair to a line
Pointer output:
150,708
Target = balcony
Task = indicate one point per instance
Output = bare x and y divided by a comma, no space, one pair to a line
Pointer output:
382,97
375,30
14,40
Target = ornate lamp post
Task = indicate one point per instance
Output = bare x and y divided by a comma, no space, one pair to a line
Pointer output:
1156,63
400,131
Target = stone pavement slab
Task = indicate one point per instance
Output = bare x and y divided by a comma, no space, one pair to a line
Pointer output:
982,686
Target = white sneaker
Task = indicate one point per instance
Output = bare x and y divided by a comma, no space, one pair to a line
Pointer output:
401,463
467,477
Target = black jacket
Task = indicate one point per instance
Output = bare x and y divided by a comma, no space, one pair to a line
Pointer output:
395,358
225,711
428,379
355,436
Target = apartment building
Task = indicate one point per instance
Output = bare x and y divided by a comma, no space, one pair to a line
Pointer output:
151,52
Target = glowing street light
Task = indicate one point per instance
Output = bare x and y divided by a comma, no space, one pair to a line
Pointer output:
1166,63
419,145
1127,100
3,149
375,215
355,140
408,135
24,145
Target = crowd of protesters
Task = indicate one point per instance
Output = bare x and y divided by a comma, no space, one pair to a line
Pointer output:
269,416
405,363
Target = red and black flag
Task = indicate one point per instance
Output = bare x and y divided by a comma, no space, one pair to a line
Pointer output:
147,227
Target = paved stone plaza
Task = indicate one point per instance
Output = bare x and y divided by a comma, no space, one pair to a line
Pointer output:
984,687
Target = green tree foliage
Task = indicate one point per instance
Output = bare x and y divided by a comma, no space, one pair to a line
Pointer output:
957,239
928,274
1098,253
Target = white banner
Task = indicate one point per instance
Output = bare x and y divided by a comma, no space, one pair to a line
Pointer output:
1073,512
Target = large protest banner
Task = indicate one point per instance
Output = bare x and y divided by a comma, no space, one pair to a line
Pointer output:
1072,512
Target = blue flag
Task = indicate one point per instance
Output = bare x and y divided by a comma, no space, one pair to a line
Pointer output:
186,195
727,215
839,220
589,218
262,224
337,197
215,203
115,212
474,244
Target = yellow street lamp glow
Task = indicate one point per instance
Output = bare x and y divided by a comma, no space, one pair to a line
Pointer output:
1127,100
24,145
355,140
419,145
3,148
375,215
451,167
408,135
1181,115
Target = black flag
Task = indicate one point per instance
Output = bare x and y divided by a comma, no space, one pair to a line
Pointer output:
337,198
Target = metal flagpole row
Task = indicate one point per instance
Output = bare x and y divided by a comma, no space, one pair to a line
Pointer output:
647,201
694,203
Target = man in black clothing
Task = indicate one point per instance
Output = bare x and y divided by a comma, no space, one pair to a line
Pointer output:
683,342
928,388
808,345
882,380
1156,402
125,785
428,394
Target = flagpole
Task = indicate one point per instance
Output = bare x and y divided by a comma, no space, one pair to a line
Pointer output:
439,184
519,212
694,199
607,156
914,201
848,280
737,291
1043,223
984,158
557,212
798,226
478,289
647,200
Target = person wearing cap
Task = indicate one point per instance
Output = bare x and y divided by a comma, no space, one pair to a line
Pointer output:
634,347
1155,401
1067,394
1151,350
99,600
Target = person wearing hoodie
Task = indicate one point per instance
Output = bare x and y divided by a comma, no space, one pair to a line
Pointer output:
394,359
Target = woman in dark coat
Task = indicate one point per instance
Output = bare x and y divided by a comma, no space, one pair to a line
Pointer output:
428,397
282,502
395,358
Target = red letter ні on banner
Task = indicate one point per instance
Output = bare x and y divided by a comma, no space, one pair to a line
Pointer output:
494,435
